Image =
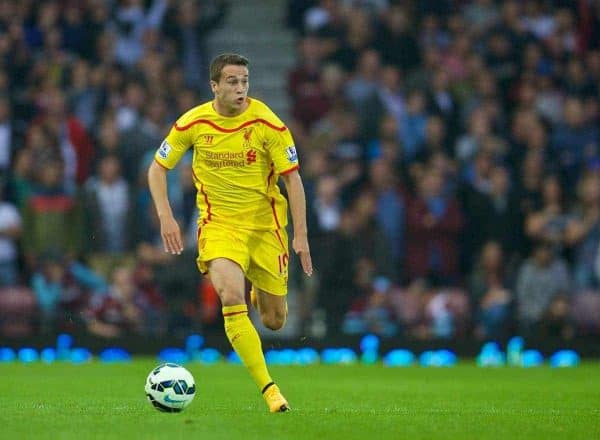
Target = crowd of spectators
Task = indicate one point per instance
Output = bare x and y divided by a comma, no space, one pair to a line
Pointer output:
88,91
451,155
450,151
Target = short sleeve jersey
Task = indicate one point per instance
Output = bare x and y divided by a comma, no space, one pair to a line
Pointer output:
236,164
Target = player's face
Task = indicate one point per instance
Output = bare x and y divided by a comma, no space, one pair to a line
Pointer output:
231,90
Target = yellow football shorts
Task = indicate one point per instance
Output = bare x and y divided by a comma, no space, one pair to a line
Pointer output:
262,255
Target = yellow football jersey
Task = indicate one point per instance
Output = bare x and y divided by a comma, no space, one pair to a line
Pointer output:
236,164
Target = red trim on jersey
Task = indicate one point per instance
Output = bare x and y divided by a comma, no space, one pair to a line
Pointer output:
161,165
270,176
205,196
294,168
195,177
208,209
228,130
234,313
275,213
279,238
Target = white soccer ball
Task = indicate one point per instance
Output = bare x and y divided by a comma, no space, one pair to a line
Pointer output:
170,387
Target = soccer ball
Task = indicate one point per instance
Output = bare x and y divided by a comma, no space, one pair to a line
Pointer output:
170,387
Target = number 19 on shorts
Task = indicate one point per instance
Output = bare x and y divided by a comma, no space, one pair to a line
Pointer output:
283,262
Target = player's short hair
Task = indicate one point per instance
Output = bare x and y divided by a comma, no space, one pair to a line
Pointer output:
225,59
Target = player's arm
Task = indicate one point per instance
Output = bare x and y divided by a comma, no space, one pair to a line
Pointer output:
297,201
169,229
167,156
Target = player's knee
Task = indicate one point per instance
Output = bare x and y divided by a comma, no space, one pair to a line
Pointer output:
273,320
230,296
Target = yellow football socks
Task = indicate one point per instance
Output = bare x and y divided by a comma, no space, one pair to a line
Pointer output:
245,341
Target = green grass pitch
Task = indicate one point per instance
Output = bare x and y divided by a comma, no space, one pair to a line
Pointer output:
98,401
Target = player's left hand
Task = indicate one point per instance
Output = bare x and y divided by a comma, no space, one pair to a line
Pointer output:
300,246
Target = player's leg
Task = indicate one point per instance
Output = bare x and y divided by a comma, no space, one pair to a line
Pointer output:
254,298
223,255
228,280
273,313
267,271
273,309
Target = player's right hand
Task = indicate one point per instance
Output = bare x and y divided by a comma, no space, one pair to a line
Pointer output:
171,235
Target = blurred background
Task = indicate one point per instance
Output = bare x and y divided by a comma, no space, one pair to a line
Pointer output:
450,151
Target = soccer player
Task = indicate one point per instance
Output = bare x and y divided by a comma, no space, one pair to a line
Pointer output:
240,149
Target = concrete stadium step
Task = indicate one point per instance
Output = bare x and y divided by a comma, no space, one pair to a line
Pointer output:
256,29
273,38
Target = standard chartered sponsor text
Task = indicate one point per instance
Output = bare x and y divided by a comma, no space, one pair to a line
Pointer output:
225,155
225,163
225,159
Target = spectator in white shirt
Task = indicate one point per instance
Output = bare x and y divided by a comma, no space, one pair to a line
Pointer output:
10,231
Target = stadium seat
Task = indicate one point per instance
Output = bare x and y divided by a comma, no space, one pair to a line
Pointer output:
17,311
585,311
